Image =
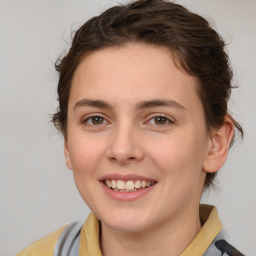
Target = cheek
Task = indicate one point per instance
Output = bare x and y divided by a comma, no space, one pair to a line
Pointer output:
180,156
85,154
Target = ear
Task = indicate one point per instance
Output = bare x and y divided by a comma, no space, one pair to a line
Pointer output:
67,155
219,146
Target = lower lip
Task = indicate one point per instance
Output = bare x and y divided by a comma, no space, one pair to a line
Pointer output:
126,196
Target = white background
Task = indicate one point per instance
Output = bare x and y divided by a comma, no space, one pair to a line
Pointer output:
37,192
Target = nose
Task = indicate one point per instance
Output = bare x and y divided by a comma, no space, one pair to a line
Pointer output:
125,145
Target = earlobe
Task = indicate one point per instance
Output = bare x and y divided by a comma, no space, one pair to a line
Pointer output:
220,142
67,155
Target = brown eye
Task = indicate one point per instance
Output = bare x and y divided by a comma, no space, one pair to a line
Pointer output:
159,120
95,120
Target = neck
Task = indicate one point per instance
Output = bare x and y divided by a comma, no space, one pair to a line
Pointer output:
170,238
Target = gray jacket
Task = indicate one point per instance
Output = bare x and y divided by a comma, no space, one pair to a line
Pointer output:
68,243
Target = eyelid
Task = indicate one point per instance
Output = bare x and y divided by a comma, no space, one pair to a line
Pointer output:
170,119
85,118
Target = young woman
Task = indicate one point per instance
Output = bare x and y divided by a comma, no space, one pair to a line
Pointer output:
143,95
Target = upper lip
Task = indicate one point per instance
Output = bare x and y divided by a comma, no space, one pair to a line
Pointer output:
126,177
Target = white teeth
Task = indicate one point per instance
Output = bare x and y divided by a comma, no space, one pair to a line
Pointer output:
114,185
137,184
120,184
108,183
128,186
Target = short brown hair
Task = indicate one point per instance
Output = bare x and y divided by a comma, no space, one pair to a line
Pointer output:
197,49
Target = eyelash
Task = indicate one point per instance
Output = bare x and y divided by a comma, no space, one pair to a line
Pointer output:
165,117
85,121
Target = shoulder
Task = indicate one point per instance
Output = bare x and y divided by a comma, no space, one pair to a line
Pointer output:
44,246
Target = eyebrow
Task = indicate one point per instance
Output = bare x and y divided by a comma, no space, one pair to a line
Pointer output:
92,103
141,105
159,103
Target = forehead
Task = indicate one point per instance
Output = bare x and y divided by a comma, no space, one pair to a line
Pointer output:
134,72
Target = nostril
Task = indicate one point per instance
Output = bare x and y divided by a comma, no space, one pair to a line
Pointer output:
124,155
122,159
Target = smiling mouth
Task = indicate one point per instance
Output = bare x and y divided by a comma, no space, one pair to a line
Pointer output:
129,185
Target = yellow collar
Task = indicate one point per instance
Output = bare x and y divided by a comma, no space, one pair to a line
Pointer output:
210,229
89,238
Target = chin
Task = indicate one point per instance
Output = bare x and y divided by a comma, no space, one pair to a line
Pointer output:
127,222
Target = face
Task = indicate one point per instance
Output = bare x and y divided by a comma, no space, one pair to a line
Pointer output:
136,137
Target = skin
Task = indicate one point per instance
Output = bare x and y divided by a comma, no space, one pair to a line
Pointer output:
176,152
